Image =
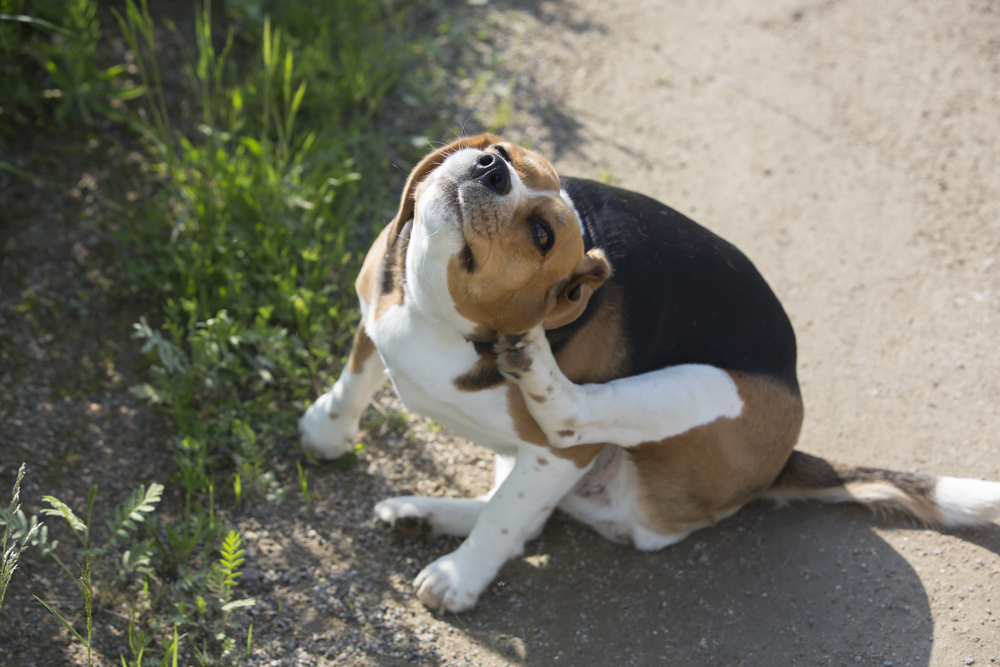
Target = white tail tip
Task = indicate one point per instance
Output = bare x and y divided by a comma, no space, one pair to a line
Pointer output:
967,502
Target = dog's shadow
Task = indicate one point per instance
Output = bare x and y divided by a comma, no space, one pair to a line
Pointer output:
798,585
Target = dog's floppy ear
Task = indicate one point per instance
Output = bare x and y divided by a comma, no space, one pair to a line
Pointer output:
589,274
426,166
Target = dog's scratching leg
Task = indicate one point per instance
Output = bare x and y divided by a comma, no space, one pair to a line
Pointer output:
627,412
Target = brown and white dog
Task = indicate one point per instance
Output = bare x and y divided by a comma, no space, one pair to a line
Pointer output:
625,364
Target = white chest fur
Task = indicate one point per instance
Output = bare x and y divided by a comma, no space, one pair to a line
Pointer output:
422,358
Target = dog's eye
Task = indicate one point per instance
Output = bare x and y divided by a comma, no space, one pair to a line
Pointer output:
502,152
543,234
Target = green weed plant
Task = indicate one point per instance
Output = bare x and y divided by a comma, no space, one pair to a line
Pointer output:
49,62
255,238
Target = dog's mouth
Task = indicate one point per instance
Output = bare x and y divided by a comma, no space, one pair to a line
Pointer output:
452,201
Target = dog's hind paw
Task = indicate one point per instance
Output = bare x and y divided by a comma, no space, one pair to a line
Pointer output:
413,514
454,582
514,354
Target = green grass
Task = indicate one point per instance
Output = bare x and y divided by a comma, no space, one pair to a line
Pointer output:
252,245
49,67
255,238
259,212
19,540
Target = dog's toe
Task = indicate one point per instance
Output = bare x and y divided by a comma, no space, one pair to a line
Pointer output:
452,583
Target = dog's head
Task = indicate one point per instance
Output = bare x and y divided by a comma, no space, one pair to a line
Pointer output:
493,239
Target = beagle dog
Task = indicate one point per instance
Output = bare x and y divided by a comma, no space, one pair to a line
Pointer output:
625,364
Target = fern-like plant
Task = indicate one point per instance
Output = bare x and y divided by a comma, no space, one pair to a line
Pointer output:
140,502
222,580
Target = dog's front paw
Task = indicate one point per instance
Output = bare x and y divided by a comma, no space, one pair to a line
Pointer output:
325,431
454,582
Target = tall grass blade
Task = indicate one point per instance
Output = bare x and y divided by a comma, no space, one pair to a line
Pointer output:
63,621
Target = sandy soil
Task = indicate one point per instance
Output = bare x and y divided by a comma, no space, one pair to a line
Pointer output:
849,148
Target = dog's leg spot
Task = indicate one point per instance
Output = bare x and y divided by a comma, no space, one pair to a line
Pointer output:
537,399
520,495
549,389
333,415
547,508
566,434
542,462
504,531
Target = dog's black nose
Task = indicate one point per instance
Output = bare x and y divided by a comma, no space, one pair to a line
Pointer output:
491,170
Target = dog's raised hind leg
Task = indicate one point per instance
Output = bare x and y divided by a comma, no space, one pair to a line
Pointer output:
636,409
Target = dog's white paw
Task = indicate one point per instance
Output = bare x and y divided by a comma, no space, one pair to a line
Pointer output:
448,516
392,510
454,582
325,431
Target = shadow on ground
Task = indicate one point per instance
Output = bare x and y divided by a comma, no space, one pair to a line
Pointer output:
790,586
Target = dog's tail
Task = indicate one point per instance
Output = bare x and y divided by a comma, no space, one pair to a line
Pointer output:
936,501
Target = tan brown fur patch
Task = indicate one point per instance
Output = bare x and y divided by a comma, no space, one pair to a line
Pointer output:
370,269
527,429
484,373
597,352
525,426
811,477
391,271
363,348
695,478
380,280
580,455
